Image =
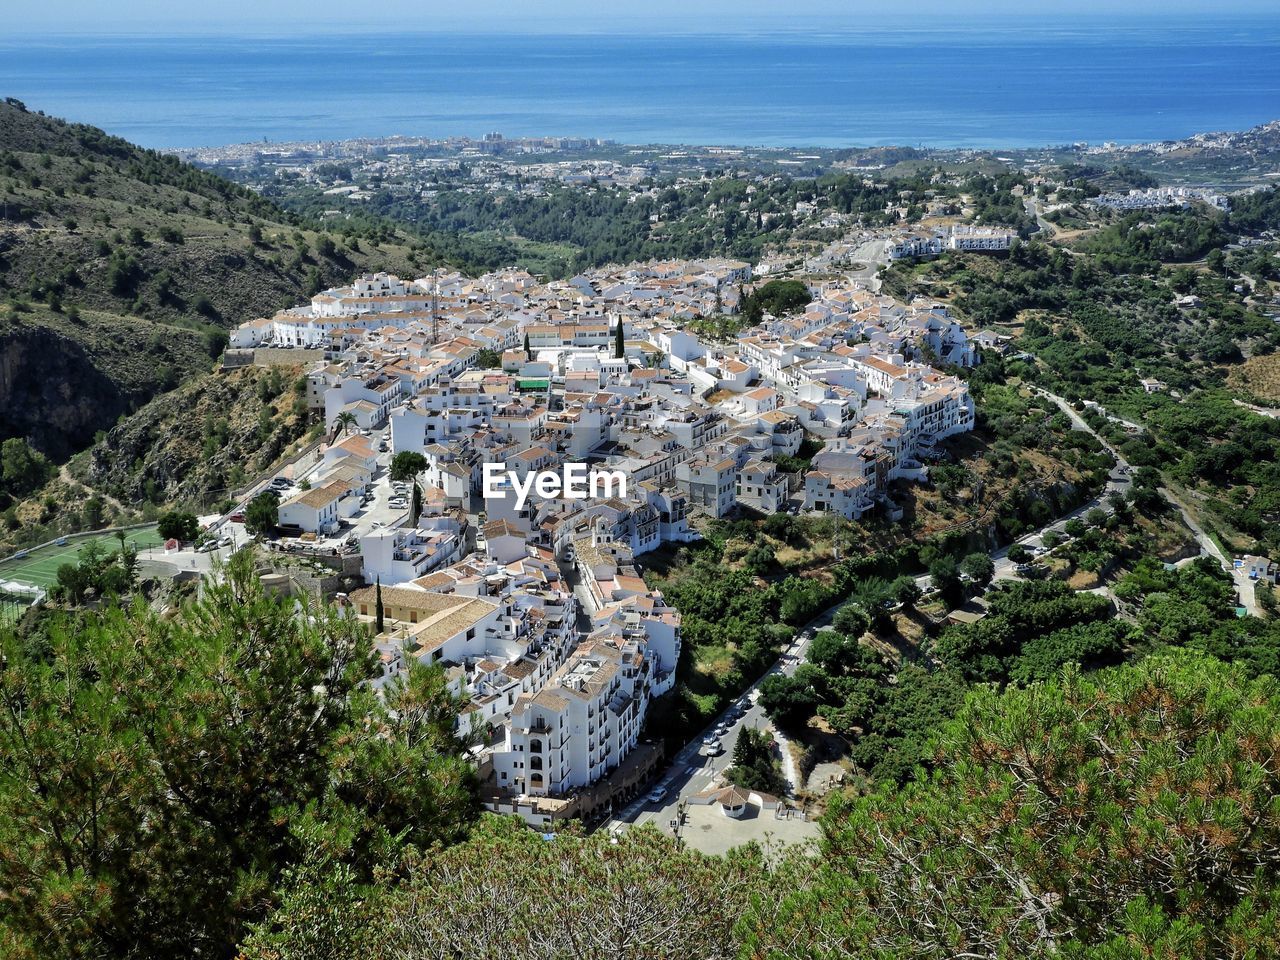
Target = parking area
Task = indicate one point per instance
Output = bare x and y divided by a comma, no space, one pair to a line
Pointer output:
709,831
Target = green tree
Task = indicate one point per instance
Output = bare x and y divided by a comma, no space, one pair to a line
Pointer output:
754,766
852,620
406,467
873,595
162,772
94,510
634,896
178,525
760,559
788,700
1120,814
263,512
344,422
906,591
23,469
944,574
978,567
379,615
619,342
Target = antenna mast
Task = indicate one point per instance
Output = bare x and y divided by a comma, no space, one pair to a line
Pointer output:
435,306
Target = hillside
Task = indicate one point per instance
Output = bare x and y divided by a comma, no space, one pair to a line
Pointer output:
195,444
65,374
122,268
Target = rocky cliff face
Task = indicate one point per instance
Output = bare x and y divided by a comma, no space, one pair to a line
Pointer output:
62,380
51,393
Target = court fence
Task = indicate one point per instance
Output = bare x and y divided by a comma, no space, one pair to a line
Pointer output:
69,537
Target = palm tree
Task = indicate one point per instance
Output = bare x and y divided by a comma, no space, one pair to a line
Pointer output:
344,422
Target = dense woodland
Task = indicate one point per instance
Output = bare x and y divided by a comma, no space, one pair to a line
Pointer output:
576,228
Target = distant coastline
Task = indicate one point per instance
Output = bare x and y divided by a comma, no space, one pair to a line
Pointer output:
1015,85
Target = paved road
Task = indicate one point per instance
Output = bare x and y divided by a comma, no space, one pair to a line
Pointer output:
689,772
1208,546
1047,229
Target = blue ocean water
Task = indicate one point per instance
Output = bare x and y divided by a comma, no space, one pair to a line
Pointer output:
999,85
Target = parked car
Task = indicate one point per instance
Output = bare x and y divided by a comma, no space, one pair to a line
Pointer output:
237,518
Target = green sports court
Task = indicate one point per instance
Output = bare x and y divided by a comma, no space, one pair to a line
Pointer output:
39,568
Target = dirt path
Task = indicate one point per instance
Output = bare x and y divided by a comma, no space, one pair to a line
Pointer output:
65,476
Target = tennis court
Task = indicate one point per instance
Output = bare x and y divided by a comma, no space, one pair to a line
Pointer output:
39,568
11,610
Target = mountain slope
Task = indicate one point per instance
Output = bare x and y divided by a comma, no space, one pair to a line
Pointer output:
123,267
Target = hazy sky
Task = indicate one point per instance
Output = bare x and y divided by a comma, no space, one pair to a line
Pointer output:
278,16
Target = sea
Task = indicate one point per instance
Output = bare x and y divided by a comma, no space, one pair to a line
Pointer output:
1000,84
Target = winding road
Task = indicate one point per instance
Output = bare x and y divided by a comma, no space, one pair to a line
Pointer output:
689,773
